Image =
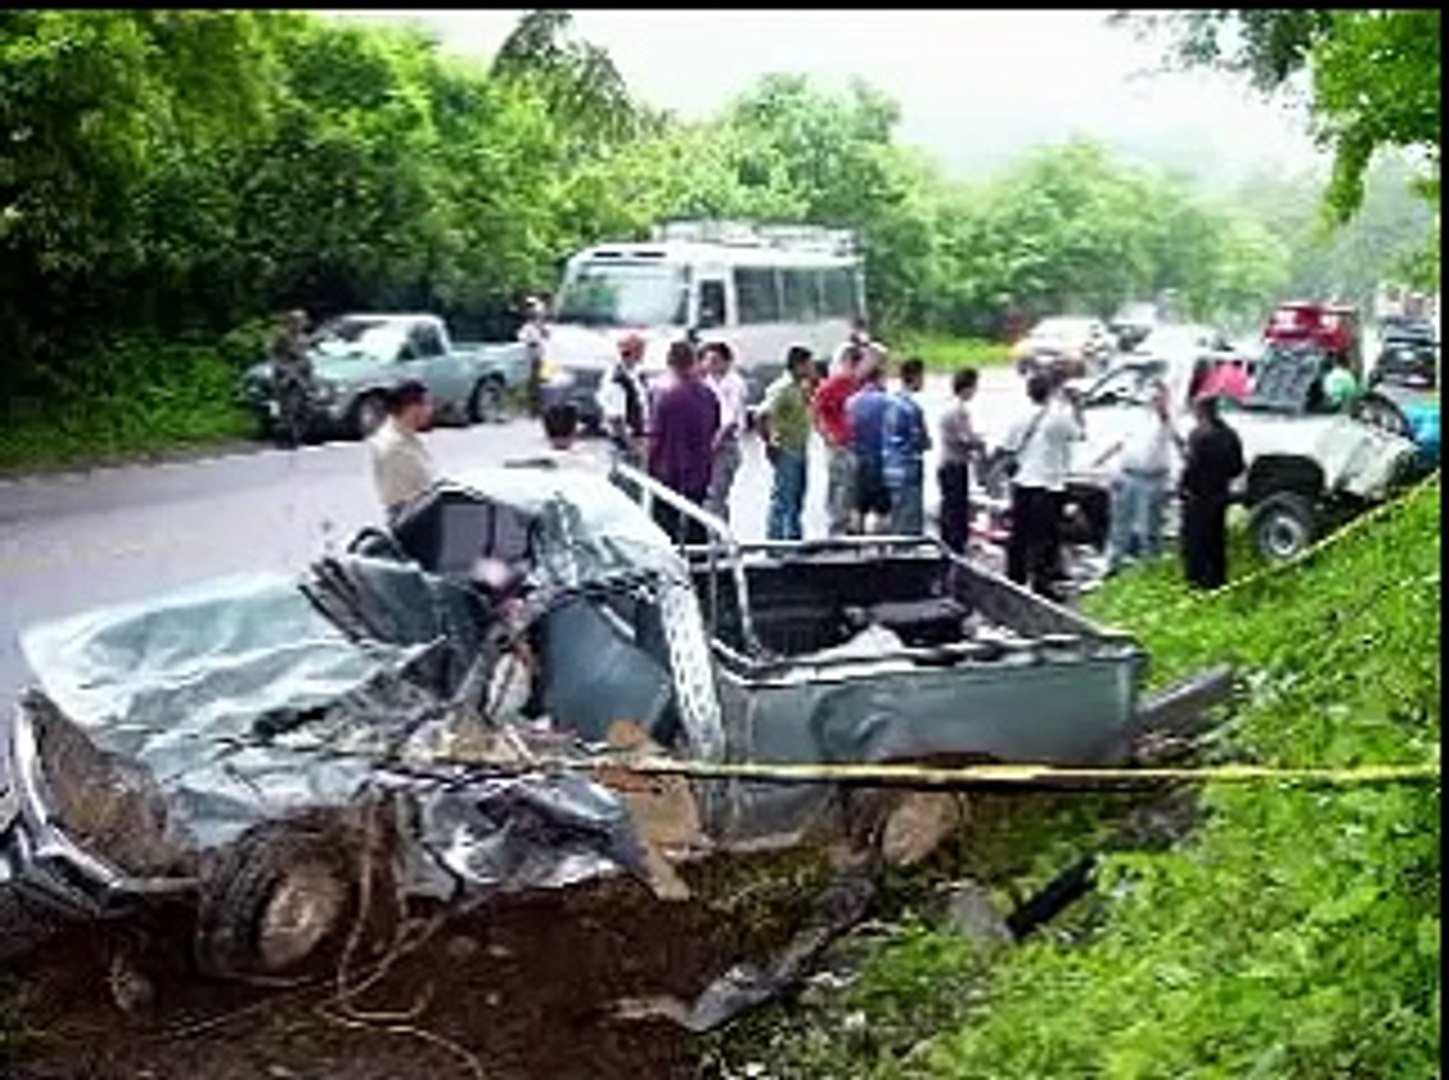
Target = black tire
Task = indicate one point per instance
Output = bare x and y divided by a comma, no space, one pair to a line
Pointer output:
368,414
488,404
27,925
242,926
1284,526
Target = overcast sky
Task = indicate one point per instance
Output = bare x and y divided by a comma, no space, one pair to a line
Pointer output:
976,88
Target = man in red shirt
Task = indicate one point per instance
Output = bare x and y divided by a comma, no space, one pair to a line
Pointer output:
833,423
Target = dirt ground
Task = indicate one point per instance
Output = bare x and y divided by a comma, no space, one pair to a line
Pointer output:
525,987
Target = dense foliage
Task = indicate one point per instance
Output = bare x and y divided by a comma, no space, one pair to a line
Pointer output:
1296,933
1373,77
169,176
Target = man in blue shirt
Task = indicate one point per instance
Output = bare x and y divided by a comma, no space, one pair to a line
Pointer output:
866,410
904,445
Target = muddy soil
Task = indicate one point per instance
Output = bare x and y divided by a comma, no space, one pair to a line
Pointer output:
525,987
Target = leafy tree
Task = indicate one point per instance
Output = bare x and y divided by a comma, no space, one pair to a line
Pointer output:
1374,74
577,79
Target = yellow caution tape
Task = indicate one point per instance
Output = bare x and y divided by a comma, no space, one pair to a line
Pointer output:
973,775
929,776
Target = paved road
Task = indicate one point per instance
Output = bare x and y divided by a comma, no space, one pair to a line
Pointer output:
77,541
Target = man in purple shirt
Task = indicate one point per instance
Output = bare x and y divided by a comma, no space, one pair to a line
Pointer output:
681,446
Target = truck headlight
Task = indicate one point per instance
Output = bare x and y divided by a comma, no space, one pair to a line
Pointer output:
323,392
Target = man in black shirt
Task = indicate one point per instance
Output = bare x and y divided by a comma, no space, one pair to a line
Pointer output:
1213,460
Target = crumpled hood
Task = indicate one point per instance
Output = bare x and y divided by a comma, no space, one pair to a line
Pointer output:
1357,458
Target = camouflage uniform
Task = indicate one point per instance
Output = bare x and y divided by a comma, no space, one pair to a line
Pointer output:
292,382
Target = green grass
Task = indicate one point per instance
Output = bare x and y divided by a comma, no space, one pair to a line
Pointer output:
1294,934
941,352
138,398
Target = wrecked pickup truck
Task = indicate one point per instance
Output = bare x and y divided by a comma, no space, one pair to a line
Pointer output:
268,753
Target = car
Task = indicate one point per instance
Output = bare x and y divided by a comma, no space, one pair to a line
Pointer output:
1333,328
1070,346
451,690
1133,323
1403,386
1307,465
357,358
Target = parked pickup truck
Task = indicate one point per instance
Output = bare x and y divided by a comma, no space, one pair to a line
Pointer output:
1306,464
452,690
357,358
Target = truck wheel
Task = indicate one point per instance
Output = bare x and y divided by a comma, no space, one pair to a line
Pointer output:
281,899
1283,526
486,404
368,414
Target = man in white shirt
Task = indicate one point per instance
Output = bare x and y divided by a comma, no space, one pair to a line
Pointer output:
1139,490
730,390
1042,446
534,336
402,469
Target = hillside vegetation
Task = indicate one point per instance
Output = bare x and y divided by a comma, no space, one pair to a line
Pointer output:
172,177
1295,933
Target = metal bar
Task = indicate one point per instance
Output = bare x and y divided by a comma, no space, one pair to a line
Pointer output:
716,529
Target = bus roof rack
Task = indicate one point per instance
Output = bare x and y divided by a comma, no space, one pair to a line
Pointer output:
748,234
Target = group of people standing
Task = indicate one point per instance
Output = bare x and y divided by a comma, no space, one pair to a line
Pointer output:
686,432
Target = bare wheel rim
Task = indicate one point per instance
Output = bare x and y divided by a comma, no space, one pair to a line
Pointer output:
488,407
1283,536
302,911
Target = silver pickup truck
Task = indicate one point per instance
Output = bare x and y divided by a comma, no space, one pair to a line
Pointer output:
230,747
357,358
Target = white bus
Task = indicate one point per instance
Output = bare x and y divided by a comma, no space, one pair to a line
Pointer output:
759,289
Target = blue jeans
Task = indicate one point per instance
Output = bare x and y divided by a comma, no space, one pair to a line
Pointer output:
908,504
1138,502
787,496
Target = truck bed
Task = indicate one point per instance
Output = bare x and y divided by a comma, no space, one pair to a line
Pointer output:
815,662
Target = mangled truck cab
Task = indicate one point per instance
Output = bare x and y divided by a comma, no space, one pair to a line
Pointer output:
447,711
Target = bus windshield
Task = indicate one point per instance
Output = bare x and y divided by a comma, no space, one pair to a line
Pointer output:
623,294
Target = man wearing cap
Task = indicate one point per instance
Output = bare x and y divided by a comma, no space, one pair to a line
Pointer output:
624,402
534,336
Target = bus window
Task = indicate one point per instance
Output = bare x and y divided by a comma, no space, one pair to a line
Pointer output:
623,294
757,294
711,304
840,293
801,295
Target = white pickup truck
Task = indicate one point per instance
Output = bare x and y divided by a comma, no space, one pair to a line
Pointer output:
1307,465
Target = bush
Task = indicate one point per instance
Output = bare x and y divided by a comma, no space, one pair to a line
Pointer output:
135,396
941,352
